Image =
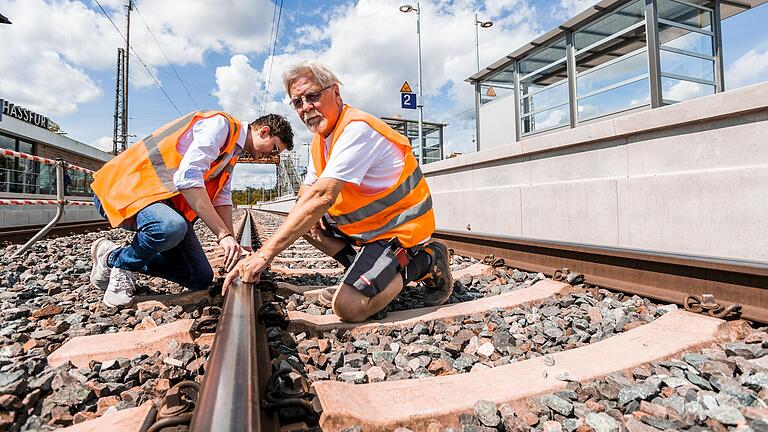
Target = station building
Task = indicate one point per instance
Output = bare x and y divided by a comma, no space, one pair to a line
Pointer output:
25,131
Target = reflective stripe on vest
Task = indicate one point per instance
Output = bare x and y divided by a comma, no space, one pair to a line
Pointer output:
403,210
143,173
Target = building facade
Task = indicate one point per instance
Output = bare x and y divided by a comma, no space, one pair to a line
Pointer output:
25,131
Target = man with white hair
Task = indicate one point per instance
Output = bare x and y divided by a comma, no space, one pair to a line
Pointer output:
364,188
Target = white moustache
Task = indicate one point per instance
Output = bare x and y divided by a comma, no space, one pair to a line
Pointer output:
308,115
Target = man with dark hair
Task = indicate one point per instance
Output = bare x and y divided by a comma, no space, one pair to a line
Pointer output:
160,185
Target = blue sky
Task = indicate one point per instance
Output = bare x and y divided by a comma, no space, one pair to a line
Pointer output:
58,57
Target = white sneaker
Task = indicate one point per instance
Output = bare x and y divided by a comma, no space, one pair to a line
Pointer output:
120,290
100,250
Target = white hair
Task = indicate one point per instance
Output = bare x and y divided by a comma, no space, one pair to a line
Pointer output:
322,74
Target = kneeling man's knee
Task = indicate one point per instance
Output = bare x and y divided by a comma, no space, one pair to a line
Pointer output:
348,309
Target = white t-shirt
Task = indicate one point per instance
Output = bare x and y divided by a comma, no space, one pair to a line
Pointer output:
201,145
363,157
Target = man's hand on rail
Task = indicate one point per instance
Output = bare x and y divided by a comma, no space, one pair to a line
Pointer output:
248,270
232,252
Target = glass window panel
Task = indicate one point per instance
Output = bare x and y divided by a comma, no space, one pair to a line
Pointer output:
674,90
685,40
610,24
7,142
618,99
553,95
491,90
546,119
685,65
45,180
622,70
685,14
549,54
26,147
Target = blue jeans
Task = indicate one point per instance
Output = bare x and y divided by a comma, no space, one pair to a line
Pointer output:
165,245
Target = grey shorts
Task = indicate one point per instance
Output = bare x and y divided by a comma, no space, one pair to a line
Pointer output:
374,266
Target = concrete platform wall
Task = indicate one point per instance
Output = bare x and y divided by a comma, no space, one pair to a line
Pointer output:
284,204
690,178
19,216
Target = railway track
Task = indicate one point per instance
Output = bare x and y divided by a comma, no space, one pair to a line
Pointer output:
512,350
21,235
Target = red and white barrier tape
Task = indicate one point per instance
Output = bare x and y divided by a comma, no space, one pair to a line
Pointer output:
39,202
6,152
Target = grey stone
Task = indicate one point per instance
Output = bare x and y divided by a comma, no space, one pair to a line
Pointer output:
73,395
486,412
757,381
698,381
602,422
726,415
557,404
464,362
380,357
550,311
642,391
674,382
741,349
7,378
357,377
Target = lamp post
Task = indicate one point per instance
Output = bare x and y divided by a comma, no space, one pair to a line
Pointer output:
406,8
478,24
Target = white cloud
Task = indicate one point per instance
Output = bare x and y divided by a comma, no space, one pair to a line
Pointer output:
570,8
750,68
372,48
48,55
684,90
238,88
255,176
104,143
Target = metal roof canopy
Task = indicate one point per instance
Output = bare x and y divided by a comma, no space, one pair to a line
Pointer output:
728,8
398,124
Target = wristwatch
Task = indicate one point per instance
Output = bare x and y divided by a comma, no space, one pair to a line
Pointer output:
261,254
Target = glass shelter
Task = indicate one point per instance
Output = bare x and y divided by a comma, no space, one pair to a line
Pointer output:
433,137
619,56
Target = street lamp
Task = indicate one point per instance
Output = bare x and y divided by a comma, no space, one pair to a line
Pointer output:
478,24
406,8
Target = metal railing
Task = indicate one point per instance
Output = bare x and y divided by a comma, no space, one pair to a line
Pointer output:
60,202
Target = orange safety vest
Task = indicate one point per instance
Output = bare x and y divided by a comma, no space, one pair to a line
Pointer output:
143,173
404,210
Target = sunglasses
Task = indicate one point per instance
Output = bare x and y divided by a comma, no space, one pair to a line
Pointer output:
275,151
310,98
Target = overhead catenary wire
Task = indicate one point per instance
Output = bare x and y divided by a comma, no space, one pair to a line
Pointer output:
157,83
268,78
166,56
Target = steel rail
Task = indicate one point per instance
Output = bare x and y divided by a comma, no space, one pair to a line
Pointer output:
658,275
230,397
22,234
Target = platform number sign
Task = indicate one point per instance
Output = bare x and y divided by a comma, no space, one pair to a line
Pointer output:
408,100
407,97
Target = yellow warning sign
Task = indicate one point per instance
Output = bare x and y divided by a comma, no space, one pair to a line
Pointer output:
491,92
406,88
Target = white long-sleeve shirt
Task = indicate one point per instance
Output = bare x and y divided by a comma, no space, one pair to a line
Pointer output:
201,145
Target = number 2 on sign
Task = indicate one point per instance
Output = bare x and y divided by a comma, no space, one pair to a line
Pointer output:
408,100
